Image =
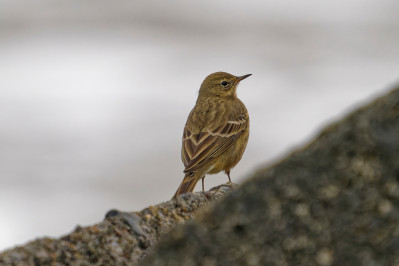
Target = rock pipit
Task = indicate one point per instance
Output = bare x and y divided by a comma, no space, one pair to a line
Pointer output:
216,132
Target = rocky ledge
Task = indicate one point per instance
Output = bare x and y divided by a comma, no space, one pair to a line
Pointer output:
123,238
333,202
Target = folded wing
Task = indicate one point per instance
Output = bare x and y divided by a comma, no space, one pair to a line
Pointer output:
201,148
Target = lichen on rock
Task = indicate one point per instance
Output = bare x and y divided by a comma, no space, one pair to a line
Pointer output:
123,238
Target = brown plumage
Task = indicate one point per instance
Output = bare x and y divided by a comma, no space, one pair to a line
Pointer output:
216,132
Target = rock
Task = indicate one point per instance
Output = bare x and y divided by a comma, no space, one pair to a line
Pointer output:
333,202
121,239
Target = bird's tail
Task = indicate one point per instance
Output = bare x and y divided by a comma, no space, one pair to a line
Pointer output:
187,185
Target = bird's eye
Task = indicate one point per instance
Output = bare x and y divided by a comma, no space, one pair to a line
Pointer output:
224,83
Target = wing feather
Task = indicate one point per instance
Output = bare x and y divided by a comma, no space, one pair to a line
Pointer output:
201,148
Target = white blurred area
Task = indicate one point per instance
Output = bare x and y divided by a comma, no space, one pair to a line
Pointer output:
94,94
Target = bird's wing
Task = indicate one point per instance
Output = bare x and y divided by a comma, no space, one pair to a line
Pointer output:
201,148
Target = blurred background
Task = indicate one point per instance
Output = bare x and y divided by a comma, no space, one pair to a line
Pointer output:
94,94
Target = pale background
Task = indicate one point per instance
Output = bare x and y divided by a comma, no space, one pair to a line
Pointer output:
94,94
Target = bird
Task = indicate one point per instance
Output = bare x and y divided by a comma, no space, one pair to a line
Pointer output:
216,132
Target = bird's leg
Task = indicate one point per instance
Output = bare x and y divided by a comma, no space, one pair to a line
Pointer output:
203,183
228,175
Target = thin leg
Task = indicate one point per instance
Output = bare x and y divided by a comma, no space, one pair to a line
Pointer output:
203,184
228,175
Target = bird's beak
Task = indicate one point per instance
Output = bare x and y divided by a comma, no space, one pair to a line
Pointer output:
243,77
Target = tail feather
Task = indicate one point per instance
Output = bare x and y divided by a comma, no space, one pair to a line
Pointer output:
187,185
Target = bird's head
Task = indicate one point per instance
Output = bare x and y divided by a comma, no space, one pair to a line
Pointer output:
221,84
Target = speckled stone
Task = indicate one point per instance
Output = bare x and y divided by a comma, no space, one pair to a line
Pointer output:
333,202
121,239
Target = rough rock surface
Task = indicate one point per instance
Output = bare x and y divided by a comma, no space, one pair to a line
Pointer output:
334,202
121,239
